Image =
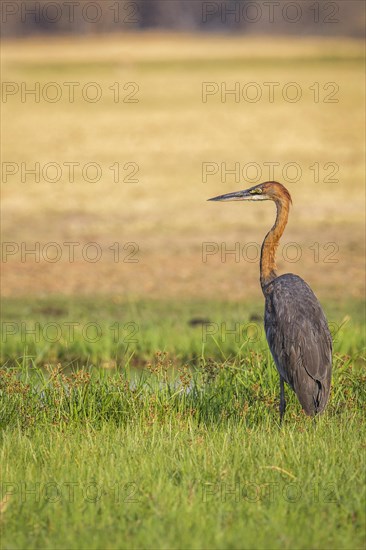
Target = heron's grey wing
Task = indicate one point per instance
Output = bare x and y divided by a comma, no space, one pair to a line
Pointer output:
299,339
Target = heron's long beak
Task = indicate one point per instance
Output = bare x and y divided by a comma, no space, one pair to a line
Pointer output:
236,196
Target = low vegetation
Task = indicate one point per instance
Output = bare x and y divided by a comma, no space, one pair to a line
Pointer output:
174,452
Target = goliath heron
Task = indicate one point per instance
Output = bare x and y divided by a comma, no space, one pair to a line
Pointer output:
295,325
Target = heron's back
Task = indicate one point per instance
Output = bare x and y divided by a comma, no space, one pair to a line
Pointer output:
299,339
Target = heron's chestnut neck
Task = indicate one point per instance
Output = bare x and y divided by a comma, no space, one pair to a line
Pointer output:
269,247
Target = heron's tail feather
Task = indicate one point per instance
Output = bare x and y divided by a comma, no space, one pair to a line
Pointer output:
313,395
321,396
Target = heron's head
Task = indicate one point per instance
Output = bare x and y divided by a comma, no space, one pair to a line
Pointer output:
268,191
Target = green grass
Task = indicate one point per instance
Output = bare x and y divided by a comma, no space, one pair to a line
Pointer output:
194,459
117,332
181,450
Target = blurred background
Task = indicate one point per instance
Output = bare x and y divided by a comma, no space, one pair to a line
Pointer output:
119,120
27,17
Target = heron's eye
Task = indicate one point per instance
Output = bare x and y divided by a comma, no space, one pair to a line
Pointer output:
256,191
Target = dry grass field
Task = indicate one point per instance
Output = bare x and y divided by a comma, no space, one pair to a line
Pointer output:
169,132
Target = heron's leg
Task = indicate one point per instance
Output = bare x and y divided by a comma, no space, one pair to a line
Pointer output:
282,398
